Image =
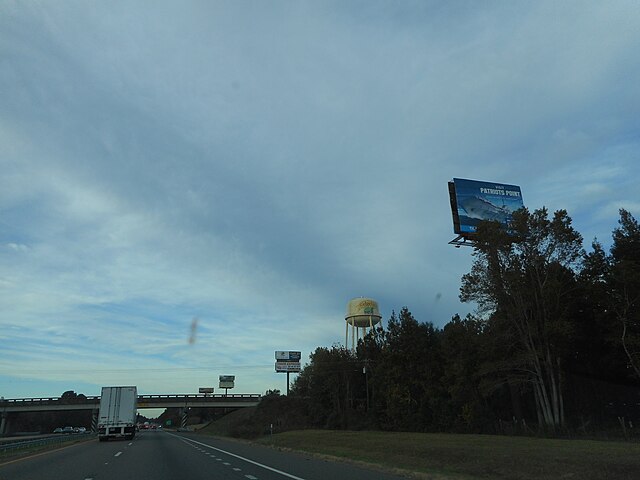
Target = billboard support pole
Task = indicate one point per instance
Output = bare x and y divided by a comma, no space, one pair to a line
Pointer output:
287,383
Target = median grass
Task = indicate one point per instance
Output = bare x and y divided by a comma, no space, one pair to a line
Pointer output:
451,456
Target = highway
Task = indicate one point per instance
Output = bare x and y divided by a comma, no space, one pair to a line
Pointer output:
159,455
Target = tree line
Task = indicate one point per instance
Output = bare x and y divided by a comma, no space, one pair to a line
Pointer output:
553,347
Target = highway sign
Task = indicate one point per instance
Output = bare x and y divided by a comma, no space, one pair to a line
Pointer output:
205,390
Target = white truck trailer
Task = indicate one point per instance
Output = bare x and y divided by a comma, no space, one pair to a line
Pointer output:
117,417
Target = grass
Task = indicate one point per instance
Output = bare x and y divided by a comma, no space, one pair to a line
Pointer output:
224,426
451,456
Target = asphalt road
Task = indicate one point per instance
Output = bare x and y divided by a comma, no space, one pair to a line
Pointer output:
157,455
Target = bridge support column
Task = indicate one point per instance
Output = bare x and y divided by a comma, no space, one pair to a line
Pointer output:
4,424
183,420
94,421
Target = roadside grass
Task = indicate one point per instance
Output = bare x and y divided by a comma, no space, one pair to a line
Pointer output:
449,456
225,425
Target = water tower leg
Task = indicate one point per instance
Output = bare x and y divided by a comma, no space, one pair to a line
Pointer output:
346,335
353,336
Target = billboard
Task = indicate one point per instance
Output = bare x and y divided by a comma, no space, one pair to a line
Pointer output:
226,381
205,390
473,201
288,356
288,361
288,367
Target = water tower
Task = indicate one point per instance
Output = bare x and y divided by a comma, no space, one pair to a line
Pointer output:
362,313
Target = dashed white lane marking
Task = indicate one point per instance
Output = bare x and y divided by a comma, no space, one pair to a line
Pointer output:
219,459
118,454
131,444
266,467
237,469
226,463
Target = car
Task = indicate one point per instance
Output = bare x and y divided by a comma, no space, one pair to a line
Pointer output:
67,430
58,430
80,430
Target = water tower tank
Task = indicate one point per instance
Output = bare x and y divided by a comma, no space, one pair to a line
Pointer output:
362,312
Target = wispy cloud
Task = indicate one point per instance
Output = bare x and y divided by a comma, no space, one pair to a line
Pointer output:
257,166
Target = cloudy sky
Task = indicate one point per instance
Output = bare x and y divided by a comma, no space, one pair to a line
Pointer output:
246,168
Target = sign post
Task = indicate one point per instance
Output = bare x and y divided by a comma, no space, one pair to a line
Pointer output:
288,361
226,382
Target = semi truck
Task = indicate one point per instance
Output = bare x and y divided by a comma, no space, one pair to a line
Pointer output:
117,416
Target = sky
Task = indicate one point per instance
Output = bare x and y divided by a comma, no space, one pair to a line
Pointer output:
187,187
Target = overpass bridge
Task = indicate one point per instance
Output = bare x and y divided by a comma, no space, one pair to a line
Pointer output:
10,406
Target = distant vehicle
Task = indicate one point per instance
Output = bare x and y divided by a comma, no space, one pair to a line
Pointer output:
79,429
58,430
117,417
67,430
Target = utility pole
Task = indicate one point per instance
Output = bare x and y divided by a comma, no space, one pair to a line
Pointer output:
366,383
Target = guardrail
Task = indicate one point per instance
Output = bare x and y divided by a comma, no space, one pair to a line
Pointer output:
8,449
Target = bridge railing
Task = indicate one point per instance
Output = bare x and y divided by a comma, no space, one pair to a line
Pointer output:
47,401
201,397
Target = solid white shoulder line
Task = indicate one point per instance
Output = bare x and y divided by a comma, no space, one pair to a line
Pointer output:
267,467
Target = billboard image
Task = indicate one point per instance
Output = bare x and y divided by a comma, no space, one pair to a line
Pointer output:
473,201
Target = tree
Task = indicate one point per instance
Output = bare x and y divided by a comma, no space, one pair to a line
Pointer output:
525,275
331,383
464,353
406,374
624,280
